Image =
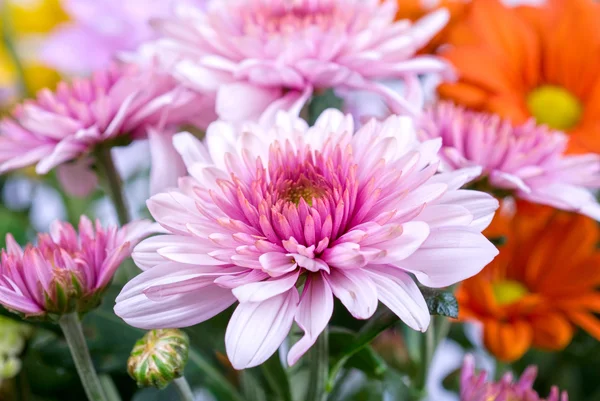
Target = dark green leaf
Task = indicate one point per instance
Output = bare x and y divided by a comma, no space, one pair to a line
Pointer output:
321,102
442,303
277,377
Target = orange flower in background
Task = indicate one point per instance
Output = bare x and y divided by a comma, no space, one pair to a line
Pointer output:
543,284
416,9
525,62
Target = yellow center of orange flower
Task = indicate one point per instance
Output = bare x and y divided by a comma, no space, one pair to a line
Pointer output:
508,291
555,107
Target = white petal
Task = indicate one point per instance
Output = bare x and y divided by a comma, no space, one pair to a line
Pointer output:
263,290
398,291
314,311
257,329
450,255
356,291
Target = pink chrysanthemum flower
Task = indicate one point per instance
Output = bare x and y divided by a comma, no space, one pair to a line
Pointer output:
114,106
475,387
97,31
270,211
66,271
279,51
527,160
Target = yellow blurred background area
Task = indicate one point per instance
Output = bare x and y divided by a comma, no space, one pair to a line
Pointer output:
23,25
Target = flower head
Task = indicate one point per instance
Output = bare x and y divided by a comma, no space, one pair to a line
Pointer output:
475,387
512,61
98,31
527,160
535,298
159,358
269,211
112,107
66,271
279,51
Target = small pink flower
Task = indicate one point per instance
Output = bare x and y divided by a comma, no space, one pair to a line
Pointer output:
113,107
527,160
66,271
475,387
275,53
284,218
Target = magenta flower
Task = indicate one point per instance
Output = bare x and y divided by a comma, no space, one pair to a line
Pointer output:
527,160
99,30
111,108
274,53
66,271
474,387
270,211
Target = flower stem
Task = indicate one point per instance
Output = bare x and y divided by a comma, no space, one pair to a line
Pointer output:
71,327
113,183
184,389
319,368
428,343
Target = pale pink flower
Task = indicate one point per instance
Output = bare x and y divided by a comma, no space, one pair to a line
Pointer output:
527,160
66,270
275,53
111,108
97,31
475,387
269,211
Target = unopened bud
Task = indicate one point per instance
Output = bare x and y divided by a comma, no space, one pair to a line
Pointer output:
159,358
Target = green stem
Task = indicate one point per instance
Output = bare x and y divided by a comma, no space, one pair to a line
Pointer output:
9,44
109,388
428,341
113,183
71,327
319,368
183,389
214,378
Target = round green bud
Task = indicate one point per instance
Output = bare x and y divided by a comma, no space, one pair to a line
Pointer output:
159,358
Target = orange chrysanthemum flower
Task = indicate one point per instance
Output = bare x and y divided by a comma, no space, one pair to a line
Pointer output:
417,9
525,62
542,285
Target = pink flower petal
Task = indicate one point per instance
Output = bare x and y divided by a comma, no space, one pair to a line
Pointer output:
356,291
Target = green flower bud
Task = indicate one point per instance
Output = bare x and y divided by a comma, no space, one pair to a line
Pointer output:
159,358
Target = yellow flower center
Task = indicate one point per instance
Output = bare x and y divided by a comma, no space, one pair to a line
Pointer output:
305,192
508,291
555,107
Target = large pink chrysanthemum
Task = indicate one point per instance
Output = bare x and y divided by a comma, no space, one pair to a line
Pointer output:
66,271
269,211
475,387
113,106
527,160
266,51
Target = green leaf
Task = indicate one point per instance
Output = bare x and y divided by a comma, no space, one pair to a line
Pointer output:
366,359
277,377
441,303
213,378
321,102
252,388
383,320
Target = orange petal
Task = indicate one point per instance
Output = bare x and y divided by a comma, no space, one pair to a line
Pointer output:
507,341
551,332
464,94
588,322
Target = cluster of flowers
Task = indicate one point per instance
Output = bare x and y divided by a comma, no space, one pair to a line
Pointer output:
281,217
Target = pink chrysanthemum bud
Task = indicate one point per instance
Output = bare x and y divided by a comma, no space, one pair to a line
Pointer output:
475,387
66,271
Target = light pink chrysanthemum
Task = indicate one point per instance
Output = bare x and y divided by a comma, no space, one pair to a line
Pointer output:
269,211
114,105
97,31
475,387
527,160
67,270
279,51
